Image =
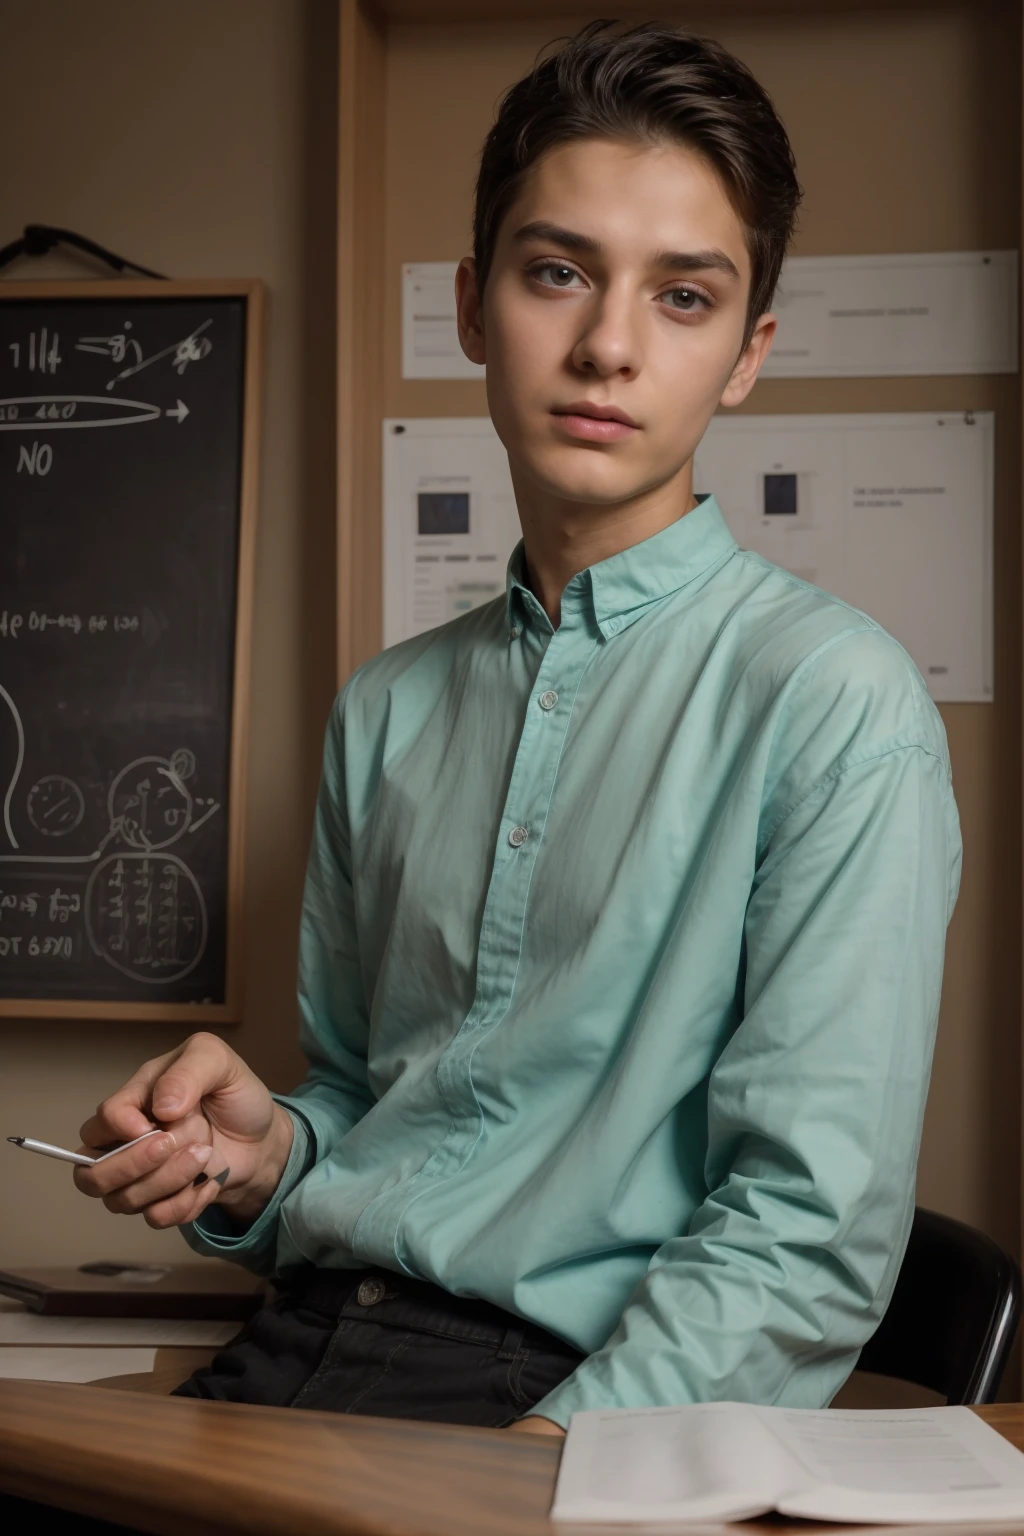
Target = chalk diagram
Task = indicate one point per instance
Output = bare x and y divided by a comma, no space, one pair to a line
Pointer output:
56,805
51,412
144,912
142,909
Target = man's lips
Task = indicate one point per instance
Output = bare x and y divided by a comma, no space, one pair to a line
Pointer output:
594,423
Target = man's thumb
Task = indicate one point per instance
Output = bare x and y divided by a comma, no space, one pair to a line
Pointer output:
175,1095
203,1066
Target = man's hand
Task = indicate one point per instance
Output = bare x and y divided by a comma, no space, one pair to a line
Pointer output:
218,1119
537,1425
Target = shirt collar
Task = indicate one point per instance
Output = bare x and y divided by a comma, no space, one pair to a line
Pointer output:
619,590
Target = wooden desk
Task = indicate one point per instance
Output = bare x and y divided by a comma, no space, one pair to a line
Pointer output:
216,1469
171,1367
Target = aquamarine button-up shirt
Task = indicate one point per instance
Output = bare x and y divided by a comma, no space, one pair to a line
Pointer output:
621,951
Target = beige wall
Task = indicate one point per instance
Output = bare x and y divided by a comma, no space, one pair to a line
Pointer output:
198,137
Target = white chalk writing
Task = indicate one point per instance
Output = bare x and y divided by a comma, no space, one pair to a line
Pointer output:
57,946
41,353
12,624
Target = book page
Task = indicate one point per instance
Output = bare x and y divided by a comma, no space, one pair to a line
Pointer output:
25,1363
18,1326
711,1461
927,1463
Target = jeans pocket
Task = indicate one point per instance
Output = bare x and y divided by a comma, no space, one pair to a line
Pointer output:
515,1381
536,1372
366,1388
314,1385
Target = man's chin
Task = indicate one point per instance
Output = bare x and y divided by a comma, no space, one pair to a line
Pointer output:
596,481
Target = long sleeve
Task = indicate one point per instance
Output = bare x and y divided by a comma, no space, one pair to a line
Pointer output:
815,1108
334,1026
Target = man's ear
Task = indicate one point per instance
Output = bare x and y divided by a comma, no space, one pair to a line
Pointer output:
469,311
750,361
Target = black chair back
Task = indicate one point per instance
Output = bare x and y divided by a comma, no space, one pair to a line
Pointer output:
953,1315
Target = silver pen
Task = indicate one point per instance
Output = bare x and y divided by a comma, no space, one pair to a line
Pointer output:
47,1149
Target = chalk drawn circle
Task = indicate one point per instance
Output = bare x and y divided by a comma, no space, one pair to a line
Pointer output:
150,804
146,914
56,805
182,762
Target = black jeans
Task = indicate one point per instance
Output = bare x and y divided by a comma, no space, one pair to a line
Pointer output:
372,1342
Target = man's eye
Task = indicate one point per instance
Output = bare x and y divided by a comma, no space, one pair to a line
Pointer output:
559,276
686,297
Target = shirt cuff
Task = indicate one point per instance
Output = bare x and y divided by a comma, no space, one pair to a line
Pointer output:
216,1235
322,1121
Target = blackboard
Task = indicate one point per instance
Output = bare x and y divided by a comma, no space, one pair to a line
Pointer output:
127,426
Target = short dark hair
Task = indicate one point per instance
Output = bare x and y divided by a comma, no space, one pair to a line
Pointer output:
653,83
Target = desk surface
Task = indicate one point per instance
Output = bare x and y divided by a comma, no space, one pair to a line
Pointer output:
216,1469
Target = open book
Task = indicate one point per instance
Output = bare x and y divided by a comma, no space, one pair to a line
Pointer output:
731,1461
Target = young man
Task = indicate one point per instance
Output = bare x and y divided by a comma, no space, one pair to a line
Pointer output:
623,929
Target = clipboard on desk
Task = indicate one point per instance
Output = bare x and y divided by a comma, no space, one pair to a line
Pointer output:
210,1290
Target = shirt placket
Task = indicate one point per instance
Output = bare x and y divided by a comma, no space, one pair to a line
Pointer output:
520,834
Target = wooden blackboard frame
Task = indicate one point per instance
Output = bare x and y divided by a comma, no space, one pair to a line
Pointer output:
254,293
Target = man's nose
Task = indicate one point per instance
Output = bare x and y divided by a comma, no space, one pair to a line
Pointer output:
609,343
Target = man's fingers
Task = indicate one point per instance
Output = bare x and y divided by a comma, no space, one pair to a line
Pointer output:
128,1166
176,1174
167,1088
115,1120
183,1207
204,1065
157,1177
125,1115
102,1129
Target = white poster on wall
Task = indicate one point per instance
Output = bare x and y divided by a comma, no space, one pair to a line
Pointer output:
941,312
944,312
450,520
890,512
430,337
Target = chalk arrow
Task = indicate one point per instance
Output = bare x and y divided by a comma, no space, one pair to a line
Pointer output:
180,410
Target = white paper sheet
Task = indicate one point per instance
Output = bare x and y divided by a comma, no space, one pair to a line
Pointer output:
728,1461
450,521
42,1364
22,1327
891,512
430,338
943,312
928,1451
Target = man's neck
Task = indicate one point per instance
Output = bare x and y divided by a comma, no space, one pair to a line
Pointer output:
563,538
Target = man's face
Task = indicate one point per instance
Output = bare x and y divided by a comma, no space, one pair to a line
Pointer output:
619,282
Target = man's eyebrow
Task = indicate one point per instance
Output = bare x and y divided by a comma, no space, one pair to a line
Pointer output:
540,229
676,261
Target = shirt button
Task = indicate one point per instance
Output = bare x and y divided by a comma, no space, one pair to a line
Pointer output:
517,837
548,700
514,632
370,1292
